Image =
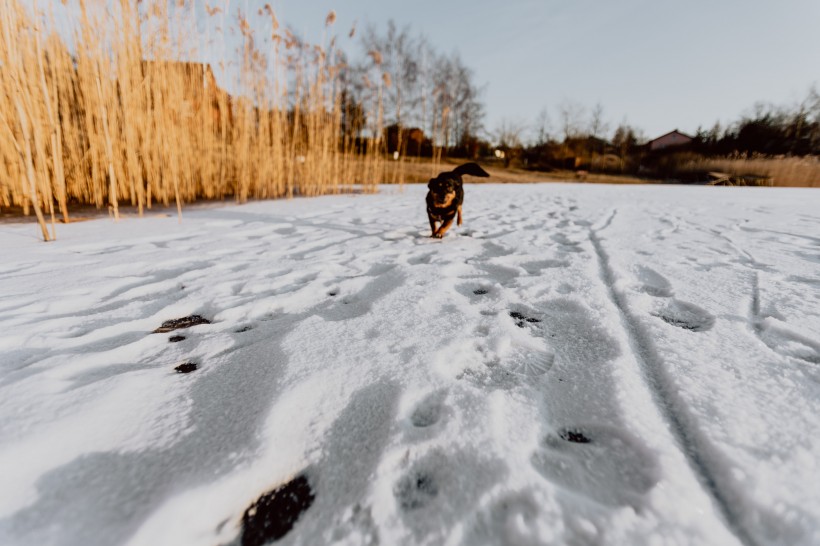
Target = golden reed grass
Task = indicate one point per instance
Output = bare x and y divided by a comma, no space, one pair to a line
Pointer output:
783,171
121,118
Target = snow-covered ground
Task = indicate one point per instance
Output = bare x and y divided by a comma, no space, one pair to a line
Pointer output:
576,364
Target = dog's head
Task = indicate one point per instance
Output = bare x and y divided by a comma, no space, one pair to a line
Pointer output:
443,188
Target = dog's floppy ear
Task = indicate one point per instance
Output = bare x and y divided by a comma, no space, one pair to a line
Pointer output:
472,169
430,183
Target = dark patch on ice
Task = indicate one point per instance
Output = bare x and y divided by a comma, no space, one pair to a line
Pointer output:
244,329
687,316
176,339
186,367
479,291
573,435
334,293
274,514
416,490
520,319
184,322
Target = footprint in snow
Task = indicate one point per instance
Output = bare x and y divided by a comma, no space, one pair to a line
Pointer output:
512,519
529,363
653,283
604,464
444,486
475,292
499,274
416,490
493,250
354,305
686,315
565,289
429,411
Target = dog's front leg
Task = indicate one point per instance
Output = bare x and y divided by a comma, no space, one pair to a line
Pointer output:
459,215
432,225
443,228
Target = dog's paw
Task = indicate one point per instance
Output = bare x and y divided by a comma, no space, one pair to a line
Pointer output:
437,235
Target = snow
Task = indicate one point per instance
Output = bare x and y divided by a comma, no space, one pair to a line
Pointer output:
576,364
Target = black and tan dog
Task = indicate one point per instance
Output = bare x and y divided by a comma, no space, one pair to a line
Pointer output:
446,196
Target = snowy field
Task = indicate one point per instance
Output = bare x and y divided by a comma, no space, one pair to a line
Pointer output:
576,364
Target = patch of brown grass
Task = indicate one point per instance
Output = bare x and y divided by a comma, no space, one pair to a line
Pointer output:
421,170
784,171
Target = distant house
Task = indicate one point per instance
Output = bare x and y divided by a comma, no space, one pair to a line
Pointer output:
672,139
412,139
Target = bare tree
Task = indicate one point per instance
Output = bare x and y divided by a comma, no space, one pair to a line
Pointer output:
597,126
626,138
508,133
571,115
508,137
398,53
543,126
458,111
420,87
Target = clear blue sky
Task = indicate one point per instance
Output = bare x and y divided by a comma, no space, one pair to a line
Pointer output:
660,64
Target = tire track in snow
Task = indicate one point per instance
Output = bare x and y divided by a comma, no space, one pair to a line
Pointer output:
672,408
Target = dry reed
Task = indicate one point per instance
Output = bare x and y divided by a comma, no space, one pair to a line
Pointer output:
122,117
783,171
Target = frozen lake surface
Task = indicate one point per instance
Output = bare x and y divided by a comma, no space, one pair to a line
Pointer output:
576,364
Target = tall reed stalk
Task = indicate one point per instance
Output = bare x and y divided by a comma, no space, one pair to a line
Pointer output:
123,116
